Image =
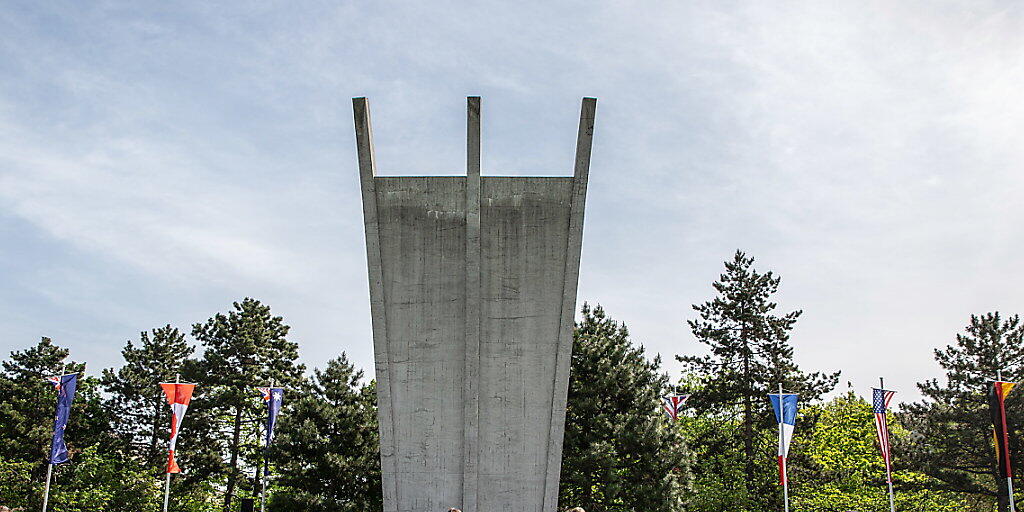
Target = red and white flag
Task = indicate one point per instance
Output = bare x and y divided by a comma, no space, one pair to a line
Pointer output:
880,399
178,396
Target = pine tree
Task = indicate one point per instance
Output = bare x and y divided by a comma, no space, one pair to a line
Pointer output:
326,455
136,400
620,453
244,349
750,355
26,412
952,424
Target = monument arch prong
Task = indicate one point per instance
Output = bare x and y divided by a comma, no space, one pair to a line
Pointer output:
472,296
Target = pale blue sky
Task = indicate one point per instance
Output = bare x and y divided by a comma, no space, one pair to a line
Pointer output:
158,161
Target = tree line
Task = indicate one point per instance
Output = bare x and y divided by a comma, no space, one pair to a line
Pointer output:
620,452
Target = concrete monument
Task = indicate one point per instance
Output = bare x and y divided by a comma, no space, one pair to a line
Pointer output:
472,294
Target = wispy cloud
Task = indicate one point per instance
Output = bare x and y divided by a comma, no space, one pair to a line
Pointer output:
157,163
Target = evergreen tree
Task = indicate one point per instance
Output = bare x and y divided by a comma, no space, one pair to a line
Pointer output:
326,456
244,349
952,424
620,453
136,401
750,356
26,412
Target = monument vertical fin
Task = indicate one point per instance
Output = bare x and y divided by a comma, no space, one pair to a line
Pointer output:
367,173
574,244
471,390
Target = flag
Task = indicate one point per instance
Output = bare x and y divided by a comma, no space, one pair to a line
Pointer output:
672,404
997,393
273,397
178,397
784,405
66,385
879,403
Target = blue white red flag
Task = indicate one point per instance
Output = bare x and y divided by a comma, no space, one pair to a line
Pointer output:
274,398
673,404
880,399
66,385
785,405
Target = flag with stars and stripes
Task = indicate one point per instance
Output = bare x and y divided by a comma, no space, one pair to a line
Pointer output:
880,399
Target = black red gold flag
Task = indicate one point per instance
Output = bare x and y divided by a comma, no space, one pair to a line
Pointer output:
997,393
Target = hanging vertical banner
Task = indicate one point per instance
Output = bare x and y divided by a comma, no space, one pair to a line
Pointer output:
785,405
880,399
66,385
273,396
178,397
997,393
672,404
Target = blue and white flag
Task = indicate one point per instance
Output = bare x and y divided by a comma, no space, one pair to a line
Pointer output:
784,405
66,386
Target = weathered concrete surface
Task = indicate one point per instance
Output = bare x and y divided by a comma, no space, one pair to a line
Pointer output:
472,292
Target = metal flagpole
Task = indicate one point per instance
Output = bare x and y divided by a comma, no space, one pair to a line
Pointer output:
1009,477
266,461
167,482
1009,491
46,493
49,467
782,445
888,457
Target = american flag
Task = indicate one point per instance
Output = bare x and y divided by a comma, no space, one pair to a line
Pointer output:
672,404
879,404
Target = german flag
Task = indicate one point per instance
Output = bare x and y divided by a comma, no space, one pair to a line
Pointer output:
997,393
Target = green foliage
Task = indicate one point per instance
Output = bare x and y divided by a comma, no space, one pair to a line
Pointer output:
840,468
620,454
718,463
92,481
954,431
245,348
18,488
26,411
749,357
135,399
327,451
98,481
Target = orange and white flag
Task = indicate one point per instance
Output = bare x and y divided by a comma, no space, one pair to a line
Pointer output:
178,396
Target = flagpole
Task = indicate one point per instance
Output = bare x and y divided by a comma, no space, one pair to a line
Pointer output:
46,493
1009,477
888,462
782,441
49,465
167,482
266,461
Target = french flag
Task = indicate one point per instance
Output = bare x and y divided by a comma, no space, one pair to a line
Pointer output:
785,405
